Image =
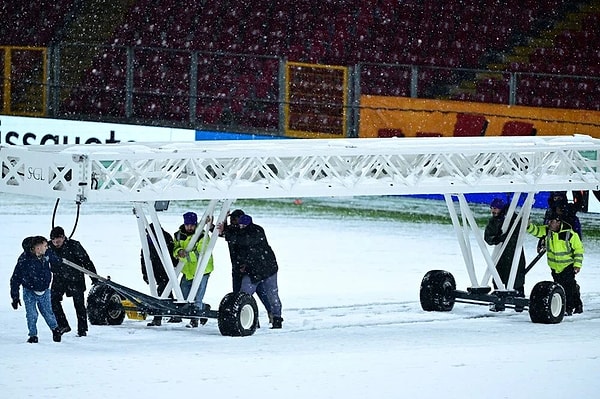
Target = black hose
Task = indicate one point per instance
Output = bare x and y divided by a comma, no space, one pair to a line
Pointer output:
76,217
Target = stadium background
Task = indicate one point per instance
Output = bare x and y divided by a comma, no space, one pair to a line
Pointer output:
308,68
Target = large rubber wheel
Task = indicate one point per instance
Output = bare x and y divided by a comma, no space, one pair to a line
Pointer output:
437,291
547,303
104,306
238,315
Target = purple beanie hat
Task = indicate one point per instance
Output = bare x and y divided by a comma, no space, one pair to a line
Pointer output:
245,220
497,203
190,218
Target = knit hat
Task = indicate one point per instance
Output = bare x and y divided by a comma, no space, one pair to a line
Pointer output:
498,203
245,220
190,218
57,232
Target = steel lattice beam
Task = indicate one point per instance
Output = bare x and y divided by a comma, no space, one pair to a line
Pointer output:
301,168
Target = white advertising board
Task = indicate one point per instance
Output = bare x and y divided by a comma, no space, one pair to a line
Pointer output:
15,130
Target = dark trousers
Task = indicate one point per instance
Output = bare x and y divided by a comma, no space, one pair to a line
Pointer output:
160,287
269,289
78,301
236,279
566,278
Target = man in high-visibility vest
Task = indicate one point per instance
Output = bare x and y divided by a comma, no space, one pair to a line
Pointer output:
564,255
181,239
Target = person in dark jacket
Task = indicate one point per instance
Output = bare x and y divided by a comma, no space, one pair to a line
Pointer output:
160,275
256,261
236,275
33,272
494,235
69,281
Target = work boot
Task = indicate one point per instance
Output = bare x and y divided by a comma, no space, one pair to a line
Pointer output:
578,309
276,322
157,321
204,320
193,323
56,335
65,330
82,333
33,339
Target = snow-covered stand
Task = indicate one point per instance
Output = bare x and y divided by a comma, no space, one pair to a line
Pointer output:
221,171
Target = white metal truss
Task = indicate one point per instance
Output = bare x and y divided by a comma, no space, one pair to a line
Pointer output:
224,170
468,225
301,168
145,211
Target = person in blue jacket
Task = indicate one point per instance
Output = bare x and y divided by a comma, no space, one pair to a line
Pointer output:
33,272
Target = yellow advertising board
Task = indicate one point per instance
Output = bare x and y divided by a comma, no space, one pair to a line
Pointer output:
411,117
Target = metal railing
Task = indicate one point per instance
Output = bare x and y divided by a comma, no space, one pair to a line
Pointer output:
245,93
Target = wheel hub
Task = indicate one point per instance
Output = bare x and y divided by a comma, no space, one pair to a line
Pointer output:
246,317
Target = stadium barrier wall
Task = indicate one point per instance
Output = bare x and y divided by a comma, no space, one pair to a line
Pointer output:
411,117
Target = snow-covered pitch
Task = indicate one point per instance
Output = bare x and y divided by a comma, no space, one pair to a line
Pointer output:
353,324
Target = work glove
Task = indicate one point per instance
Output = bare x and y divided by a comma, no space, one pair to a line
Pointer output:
16,303
541,245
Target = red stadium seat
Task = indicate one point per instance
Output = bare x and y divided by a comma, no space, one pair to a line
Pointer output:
452,33
470,125
390,133
517,128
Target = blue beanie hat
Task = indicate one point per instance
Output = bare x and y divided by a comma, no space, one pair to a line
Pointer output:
190,218
497,203
245,220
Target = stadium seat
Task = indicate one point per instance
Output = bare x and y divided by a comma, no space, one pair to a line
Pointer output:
517,128
452,33
428,134
390,133
470,125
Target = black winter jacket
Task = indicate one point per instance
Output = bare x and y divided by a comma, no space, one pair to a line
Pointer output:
157,267
493,236
67,279
252,251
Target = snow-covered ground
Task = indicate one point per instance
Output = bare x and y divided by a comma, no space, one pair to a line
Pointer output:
353,324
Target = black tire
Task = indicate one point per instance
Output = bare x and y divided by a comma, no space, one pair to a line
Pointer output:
238,315
104,306
547,303
437,291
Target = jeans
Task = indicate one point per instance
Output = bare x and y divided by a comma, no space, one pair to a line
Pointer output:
186,286
270,290
33,302
236,278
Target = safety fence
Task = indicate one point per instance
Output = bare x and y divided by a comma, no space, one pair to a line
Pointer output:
255,94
